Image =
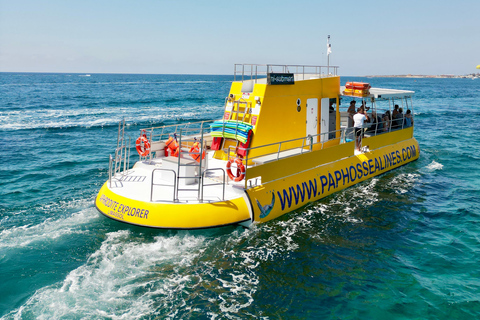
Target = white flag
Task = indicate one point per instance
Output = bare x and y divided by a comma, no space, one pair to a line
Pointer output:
329,48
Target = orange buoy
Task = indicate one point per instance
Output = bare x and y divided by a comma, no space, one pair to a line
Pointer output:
240,170
142,145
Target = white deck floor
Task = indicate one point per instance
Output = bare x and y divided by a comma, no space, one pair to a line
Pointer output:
136,183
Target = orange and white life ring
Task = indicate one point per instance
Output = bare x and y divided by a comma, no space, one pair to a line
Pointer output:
240,170
142,146
195,152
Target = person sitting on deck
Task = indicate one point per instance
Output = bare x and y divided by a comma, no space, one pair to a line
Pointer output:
395,111
359,119
376,124
386,120
364,106
398,119
408,118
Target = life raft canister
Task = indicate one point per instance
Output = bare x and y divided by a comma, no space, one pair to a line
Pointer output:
240,170
142,145
195,152
357,85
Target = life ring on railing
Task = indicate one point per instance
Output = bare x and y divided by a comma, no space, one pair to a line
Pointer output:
143,149
240,170
195,152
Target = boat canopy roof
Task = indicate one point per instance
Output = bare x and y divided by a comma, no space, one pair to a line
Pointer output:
381,94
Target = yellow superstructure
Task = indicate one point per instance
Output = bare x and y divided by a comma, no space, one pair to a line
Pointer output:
281,112
294,144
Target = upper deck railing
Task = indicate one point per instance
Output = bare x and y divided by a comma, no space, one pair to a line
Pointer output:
243,71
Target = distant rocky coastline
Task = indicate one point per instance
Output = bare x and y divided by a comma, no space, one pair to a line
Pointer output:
467,76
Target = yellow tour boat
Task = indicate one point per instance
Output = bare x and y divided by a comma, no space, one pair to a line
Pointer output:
286,139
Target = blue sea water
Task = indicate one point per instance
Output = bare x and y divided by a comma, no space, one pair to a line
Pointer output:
404,245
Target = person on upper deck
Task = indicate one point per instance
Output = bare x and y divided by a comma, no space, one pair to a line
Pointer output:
351,112
408,118
359,119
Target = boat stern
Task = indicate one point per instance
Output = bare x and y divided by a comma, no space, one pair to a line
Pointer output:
171,215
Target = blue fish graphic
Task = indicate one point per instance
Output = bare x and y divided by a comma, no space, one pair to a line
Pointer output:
265,210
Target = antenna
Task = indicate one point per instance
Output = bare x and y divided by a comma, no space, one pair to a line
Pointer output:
329,50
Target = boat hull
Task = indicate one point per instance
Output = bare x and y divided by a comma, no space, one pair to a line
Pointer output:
288,184
172,215
321,179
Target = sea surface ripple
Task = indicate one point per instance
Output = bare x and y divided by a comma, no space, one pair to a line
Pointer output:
404,245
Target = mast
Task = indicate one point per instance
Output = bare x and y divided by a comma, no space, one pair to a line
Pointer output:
329,50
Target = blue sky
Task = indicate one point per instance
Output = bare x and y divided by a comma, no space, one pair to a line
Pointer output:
208,37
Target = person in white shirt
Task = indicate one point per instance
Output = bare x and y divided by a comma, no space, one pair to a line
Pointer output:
359,119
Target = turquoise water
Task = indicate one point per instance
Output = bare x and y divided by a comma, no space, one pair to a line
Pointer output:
405,245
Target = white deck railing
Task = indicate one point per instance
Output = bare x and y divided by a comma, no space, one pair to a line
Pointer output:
243,72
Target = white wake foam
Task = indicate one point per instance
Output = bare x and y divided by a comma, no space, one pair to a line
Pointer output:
433,166
404,182
40,119
51,228
125,278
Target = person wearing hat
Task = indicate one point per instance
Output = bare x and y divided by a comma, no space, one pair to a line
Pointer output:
351,112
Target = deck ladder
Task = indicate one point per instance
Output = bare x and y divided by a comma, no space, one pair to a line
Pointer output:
122,152
242,109
185,140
